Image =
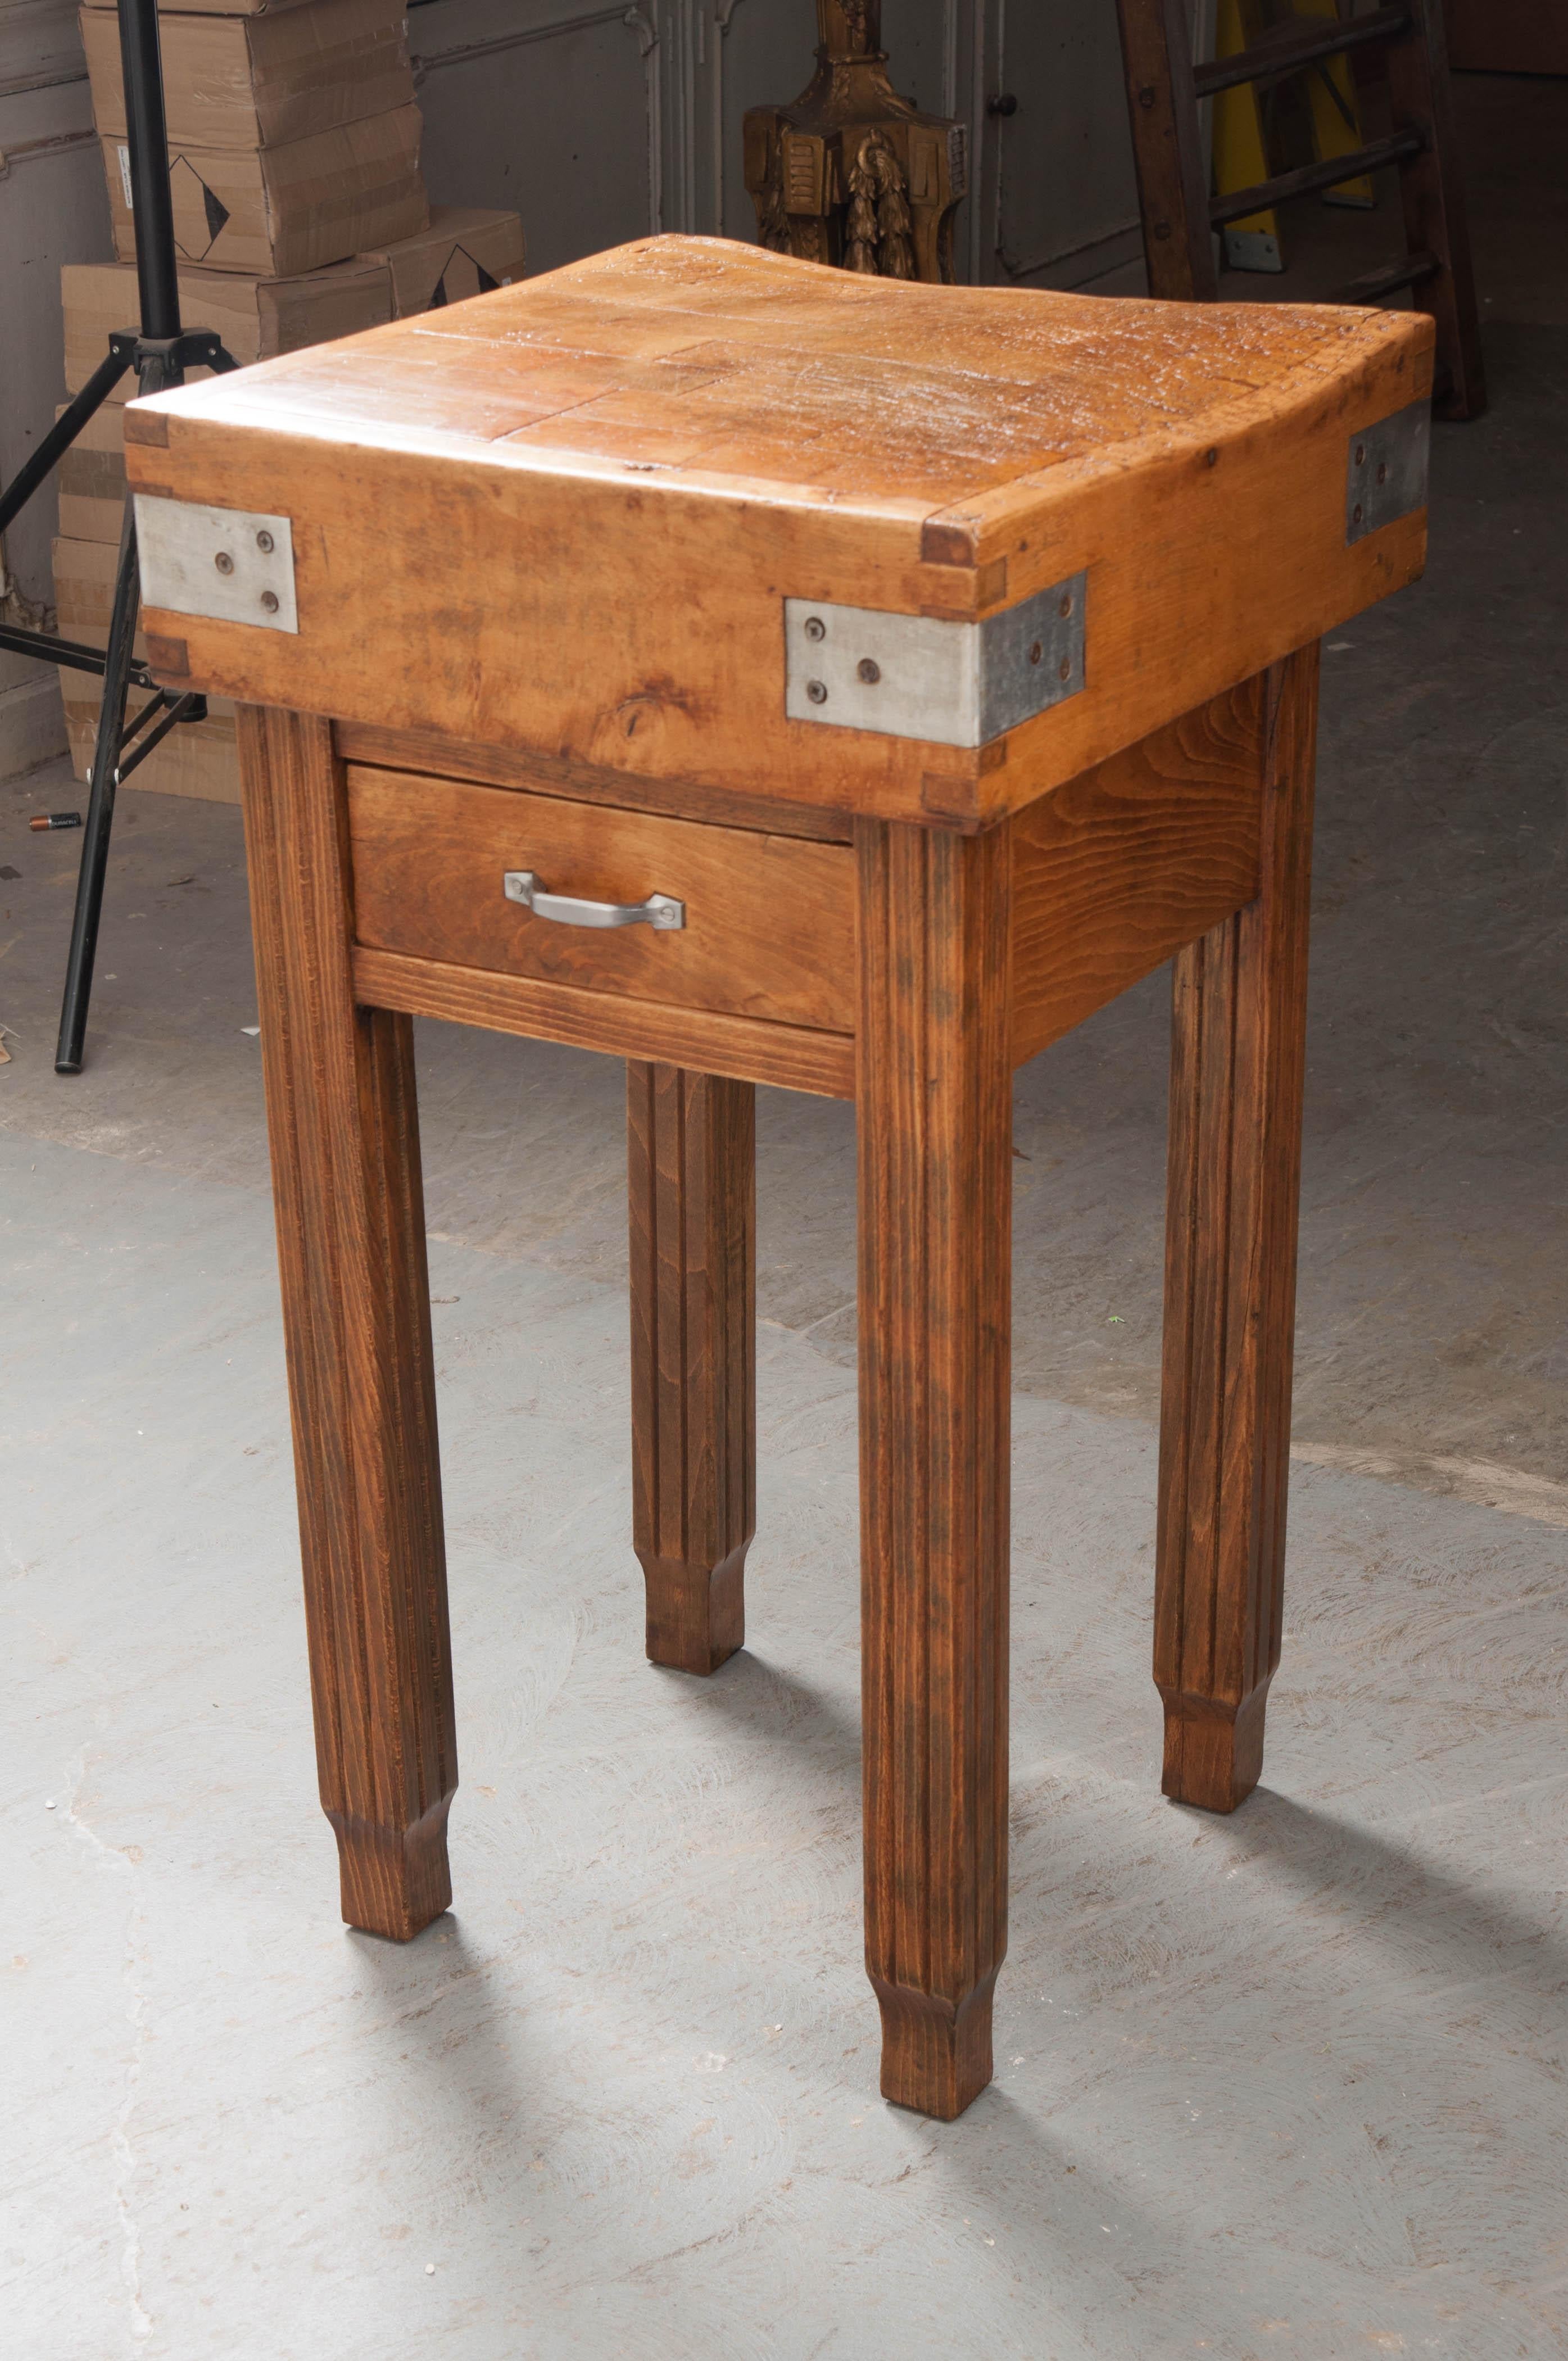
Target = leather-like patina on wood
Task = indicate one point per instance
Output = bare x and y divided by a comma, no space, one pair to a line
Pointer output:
564,519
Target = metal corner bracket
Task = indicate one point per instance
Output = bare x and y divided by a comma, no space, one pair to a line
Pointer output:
950,683
225,565
1385,470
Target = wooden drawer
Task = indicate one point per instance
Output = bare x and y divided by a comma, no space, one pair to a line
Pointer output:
770,921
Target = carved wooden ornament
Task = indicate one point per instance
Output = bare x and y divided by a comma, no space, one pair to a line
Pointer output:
852,173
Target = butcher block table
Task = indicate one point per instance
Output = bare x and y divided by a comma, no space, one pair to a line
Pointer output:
767,674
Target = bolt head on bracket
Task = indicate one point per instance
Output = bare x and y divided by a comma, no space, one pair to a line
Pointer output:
226,565
948,684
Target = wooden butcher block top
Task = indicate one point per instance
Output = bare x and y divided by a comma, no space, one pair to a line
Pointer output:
690,511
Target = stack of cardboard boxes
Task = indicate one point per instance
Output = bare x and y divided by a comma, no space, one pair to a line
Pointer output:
300,215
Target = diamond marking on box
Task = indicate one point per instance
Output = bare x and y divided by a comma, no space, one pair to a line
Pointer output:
948,684
226,565
1385,470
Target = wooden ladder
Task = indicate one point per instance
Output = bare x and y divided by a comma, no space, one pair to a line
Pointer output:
1179,217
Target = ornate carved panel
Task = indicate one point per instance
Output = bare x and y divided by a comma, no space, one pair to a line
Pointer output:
852,173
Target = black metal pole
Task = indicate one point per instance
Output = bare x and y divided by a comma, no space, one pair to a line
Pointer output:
146,135
100,807
159,290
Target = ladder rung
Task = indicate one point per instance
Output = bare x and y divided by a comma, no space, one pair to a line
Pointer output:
1373,285
1273,58
1236,204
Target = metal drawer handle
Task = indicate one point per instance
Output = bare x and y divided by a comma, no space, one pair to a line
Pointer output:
659,910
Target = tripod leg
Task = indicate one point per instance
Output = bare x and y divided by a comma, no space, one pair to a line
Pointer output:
100,807
155,375
60,436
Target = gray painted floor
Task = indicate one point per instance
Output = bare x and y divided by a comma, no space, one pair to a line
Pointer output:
1290,2084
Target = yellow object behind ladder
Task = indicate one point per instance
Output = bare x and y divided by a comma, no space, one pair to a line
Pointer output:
1336,118
1240,158
1240,155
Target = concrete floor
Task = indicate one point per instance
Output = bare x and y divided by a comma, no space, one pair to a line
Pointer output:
1290,2084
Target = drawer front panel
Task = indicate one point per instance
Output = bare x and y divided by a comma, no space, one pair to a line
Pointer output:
769,926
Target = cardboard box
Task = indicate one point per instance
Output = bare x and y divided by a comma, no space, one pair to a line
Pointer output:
256,318
92,479
260,82
464,252
199,758
84,596
237,8
274,212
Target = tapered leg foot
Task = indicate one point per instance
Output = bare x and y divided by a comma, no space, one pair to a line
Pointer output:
1212,1757
692,1191
935,2058
395,1881
697,1616
1237,1059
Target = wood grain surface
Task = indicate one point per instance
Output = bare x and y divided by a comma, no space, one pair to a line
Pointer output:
769,921
691,1166
1120,868
790,1056
576,506
421,751
1237,1065
934,1125
344,1135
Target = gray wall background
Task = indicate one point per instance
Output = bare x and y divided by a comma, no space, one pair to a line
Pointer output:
600,122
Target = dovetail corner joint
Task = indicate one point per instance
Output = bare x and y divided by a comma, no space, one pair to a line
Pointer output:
947,684
1385,470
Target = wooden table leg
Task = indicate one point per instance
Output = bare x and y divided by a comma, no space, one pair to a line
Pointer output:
345,1175
1238,1055
691,1155
934,1114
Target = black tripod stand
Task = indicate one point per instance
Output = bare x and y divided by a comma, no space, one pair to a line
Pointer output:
159,353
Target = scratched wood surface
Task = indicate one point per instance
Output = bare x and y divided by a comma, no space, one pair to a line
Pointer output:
572,508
